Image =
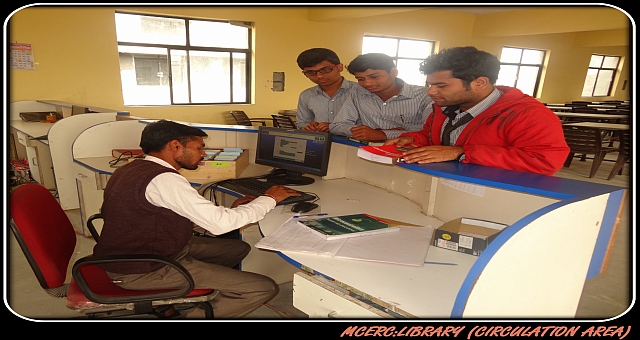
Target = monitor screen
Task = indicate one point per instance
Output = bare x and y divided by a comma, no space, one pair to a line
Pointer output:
296,152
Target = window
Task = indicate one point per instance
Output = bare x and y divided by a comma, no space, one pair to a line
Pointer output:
178,61
521,68
600,75
407,54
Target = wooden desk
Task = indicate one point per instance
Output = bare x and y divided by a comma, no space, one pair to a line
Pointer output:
564,116
559,235
560,108
602,126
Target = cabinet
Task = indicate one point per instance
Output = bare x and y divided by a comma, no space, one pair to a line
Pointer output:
320,298
39,157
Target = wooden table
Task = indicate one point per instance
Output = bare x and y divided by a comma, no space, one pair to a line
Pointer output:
602,126
587,116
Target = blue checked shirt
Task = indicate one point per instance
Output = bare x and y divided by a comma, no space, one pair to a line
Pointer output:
408,110
314,105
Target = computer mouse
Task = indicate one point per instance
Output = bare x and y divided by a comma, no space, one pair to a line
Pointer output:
303,207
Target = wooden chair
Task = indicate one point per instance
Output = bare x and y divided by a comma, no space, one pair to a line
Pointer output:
623,153
242,119
283,121
585,140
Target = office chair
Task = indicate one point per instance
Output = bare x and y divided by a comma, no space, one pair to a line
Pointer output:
585,140
242,119
282,121
48,239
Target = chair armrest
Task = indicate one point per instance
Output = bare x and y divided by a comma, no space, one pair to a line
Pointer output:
91,228
156,294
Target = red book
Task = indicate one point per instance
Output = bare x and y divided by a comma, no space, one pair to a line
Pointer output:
387,154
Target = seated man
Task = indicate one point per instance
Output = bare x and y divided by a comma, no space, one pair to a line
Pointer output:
319,105
149,208
383,106
481,123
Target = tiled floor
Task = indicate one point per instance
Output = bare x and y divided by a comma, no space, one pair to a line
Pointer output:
605,296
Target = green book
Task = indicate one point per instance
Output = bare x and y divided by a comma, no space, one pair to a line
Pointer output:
338,227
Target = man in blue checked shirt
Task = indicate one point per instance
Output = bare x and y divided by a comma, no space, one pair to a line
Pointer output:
383,106
319,105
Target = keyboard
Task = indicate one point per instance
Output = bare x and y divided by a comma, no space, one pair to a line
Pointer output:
256,187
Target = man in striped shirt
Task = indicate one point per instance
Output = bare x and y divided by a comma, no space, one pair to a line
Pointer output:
383,106
319,105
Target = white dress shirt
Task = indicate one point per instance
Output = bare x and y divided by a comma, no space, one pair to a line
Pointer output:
173,191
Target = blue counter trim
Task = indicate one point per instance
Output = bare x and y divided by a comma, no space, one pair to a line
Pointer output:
609,221
535,184
490,251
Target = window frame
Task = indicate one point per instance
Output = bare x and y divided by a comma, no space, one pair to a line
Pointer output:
396,57
187,48
536,86
614,71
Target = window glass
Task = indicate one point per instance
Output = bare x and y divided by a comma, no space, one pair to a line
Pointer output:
600,76
602,83
507,75
414,48
388,46
150,30
596,61
510,55
532,57
610,62
521,68
407,54
233,37
164,63
210,77
590,82
527,79
409,71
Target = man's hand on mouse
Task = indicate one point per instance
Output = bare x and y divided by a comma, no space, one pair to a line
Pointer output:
279,193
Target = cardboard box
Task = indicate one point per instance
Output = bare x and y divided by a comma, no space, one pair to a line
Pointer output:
467,235
218,170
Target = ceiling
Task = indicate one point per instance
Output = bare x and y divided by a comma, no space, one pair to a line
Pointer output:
481,10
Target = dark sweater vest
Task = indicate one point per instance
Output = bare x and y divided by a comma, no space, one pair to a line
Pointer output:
132,225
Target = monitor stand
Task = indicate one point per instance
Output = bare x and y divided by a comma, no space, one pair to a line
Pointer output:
290,178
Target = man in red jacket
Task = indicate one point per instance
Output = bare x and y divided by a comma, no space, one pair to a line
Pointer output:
474,121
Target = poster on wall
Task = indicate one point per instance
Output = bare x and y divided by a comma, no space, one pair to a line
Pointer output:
22,57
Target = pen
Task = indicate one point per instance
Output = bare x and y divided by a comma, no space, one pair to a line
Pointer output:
298,216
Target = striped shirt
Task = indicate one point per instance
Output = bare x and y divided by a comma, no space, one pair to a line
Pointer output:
314,105
474,111
408,110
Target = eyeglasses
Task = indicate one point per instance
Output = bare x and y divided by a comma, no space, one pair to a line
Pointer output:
324,70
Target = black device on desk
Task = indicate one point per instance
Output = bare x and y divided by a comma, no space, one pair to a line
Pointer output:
256,187
294,153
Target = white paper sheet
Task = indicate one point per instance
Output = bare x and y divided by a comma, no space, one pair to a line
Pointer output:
408,246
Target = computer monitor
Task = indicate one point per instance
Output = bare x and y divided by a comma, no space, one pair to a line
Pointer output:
296,152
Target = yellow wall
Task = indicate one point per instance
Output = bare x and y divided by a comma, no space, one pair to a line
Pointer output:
76,54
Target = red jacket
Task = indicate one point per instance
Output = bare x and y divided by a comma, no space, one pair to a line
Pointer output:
517,132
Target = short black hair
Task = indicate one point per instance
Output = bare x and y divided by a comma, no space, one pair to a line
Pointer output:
465,63
373,61
156,135
315,56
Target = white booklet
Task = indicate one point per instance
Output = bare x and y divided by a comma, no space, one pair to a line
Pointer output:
407,247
